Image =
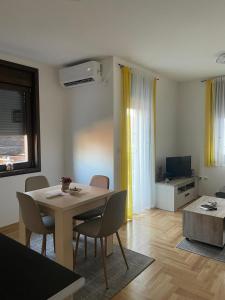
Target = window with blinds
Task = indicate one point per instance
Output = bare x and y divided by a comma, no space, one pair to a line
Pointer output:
13,128
19,120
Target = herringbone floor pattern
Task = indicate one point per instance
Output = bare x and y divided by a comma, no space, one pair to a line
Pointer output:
176,274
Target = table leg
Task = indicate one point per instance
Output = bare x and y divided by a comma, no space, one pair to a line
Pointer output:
109,249
23,233
64,238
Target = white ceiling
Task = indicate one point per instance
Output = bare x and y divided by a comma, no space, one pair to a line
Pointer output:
178,38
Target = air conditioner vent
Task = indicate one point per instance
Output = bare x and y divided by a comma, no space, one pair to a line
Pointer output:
72,83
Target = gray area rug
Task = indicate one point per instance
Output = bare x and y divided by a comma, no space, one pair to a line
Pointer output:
202,249
91,268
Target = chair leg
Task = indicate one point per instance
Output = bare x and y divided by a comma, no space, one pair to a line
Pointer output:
95,247
104,262
74,232
43,250
85,246
121,248
54,240
76,250
106,246
74,235
28,238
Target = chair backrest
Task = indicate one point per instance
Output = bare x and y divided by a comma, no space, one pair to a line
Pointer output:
36,183
114,214
100,181
30,213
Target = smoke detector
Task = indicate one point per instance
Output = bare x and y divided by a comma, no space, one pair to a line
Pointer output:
221,59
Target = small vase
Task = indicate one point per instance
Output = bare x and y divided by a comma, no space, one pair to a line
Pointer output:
65,187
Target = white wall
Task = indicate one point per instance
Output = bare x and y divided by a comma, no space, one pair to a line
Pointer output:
52,152
191,135
166,121
191,121
80,130
89,134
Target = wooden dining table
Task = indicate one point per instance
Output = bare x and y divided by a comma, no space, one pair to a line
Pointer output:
64,207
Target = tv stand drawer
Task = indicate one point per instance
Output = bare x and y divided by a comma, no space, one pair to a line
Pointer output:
184,198
176,193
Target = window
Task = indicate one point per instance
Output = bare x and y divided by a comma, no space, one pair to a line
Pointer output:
19,120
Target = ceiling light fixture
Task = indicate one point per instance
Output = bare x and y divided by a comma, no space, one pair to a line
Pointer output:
221,59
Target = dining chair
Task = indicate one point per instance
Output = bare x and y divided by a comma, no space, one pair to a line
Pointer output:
109,223
99,181
33,220
36,183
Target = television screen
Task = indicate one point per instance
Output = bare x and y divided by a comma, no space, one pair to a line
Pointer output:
178,166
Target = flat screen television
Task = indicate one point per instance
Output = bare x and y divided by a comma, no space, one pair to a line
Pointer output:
179,166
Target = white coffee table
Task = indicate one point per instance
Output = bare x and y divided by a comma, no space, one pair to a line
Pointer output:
205,226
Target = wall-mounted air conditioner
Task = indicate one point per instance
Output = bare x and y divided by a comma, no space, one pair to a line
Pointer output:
88,72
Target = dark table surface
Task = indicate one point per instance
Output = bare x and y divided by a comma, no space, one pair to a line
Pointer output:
25,274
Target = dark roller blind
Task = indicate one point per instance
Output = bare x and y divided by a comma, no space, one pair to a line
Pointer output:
12,112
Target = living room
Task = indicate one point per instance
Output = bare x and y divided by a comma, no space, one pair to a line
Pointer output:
112,89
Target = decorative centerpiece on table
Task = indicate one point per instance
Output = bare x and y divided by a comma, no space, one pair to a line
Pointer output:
66,181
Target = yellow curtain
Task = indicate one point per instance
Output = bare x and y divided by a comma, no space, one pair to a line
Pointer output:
209,120
125,162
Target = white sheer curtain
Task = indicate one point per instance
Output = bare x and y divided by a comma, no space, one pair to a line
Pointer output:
142,142
219,120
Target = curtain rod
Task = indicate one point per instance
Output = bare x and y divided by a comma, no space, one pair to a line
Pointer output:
204,80
121,66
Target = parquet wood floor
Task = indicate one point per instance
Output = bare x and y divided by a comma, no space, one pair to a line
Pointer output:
176,274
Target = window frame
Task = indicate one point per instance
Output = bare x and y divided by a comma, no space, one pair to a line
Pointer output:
20,77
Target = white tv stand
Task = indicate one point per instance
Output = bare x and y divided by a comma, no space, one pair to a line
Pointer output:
176,193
